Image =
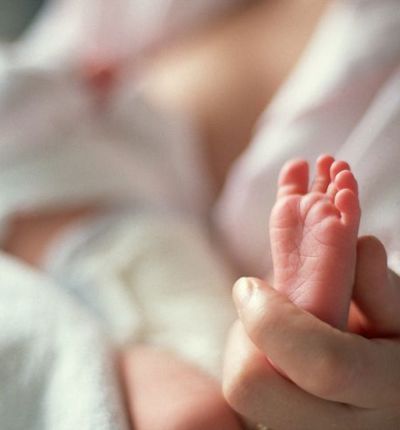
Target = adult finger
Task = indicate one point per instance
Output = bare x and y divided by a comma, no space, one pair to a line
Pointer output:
322,360
255,390
376,289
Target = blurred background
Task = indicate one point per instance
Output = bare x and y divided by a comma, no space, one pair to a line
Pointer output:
15,17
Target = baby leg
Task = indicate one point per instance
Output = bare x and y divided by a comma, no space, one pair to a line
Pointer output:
164,392
313,233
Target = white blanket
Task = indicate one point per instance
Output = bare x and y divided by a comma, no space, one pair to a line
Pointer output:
129,279
57,369
151,279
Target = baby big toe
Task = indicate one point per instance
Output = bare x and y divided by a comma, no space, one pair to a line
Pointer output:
293,178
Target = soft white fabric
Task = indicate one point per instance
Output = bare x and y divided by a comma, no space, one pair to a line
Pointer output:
66,30
342,99
151,279
67,153
57,368
121,279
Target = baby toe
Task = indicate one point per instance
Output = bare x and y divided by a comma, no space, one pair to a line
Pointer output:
346,180
293,178
322,177
348,204
337,167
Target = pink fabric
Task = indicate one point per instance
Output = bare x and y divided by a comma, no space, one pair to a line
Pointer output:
342,99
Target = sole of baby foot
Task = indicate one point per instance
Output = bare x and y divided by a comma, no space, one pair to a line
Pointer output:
313,234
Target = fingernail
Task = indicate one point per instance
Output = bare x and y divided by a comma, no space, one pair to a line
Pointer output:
243,291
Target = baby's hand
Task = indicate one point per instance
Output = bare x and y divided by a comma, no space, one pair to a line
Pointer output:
341,380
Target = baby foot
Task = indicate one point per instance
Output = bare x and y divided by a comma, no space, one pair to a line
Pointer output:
313,236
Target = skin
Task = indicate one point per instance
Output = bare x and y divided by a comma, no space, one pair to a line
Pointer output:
224,75
313,235
30,234
282,355
164,392
333,379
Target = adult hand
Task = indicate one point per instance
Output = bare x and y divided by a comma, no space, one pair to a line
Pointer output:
335,380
